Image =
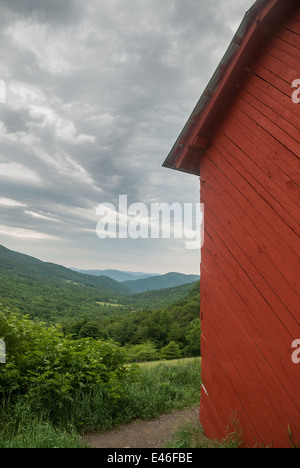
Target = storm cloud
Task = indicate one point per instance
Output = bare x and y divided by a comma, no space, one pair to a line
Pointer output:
97,93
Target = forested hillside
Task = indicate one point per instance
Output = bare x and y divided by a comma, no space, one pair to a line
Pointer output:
170,280
23,266
53,293
147,333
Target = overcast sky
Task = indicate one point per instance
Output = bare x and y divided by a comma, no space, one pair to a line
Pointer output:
97,92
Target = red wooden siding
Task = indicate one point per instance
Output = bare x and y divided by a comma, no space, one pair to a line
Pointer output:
250,260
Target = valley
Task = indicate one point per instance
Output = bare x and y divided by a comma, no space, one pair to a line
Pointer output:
53,293
99,307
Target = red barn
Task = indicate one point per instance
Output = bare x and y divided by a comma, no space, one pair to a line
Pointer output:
243,140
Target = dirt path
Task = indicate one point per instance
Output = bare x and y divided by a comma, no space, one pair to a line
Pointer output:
143,434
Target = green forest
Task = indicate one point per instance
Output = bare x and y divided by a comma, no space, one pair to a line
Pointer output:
151,325
164,333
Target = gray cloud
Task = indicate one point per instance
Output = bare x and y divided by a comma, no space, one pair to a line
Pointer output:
55,12
97,93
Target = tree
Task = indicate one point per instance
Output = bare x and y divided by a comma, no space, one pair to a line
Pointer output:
143,352
157,326
170,351
90,330
193,333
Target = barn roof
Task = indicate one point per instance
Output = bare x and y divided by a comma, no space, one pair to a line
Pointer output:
195,138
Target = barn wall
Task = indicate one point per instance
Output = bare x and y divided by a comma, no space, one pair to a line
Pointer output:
250,260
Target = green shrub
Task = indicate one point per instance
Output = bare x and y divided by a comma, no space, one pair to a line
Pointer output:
171,351
53,387
50,369
143,352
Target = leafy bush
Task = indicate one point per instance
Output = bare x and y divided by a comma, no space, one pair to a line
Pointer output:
49,369
143,352
170,351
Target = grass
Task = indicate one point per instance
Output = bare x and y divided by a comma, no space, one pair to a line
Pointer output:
163,388
155,390
20,429
171,362
39,434
191,435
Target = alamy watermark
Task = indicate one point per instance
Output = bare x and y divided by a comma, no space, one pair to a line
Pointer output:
159,221
2,352
296,354
296,94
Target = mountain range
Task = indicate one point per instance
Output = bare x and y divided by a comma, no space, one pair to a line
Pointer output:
170,280
139,282
52,292
117,275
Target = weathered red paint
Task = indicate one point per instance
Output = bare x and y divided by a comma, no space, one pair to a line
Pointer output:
250,260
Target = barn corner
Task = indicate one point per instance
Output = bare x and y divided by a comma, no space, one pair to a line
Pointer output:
243,140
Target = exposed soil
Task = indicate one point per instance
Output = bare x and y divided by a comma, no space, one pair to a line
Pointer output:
143,434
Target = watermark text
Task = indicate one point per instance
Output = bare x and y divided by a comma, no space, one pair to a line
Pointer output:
159,221
296,94
296,353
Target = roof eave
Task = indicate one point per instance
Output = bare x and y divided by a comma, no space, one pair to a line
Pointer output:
195,137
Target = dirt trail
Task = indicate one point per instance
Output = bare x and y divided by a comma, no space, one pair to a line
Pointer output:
143,434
